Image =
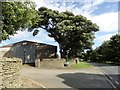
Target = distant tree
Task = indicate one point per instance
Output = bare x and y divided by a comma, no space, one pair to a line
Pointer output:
103,52
93,56
16,16
72,32
114,46
108,51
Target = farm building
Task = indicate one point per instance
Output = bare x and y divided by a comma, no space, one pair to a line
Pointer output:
29,51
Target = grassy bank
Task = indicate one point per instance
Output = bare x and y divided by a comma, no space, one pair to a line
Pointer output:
81,65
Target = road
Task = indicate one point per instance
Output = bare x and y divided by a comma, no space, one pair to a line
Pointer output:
111,71
67,78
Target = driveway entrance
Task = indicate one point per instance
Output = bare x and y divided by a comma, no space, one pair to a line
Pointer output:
67,78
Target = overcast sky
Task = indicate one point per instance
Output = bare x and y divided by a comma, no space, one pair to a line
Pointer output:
102,12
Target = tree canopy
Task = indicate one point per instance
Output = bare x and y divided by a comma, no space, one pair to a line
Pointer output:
72,32
17,16
108,51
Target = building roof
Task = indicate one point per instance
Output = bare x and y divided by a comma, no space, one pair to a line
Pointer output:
9,45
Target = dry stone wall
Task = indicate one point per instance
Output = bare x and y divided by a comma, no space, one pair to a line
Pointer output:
50,63
0,74
10,72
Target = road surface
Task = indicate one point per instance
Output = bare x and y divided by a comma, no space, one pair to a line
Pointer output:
111,71
67,78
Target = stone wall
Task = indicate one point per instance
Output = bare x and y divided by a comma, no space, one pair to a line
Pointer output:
0,74
10,72
50,63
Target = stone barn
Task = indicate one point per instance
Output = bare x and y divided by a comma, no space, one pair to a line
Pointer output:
29,51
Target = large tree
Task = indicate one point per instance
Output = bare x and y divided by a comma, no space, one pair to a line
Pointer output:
72,32
16,16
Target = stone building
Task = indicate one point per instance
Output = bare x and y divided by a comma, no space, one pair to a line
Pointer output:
29,51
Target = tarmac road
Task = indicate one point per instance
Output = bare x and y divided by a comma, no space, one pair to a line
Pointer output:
67,78
111,71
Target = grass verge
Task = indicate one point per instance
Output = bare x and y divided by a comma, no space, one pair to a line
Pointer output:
81,65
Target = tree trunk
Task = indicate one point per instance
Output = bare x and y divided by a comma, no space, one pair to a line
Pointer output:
62,53
60,46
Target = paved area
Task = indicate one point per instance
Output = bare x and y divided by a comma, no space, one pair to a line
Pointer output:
112,71
67,78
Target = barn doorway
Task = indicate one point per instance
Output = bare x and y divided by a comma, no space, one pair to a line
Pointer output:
29,55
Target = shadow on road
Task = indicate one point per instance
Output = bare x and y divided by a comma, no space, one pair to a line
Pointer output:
85,80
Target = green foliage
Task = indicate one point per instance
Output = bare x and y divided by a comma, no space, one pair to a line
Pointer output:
17,16
82,65
72,32
109,51
114,46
